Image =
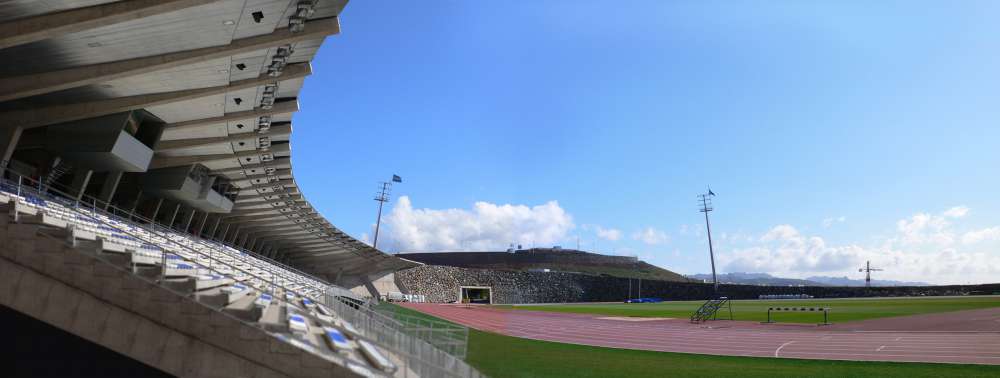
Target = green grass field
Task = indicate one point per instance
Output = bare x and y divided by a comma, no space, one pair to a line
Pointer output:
842,310
504,356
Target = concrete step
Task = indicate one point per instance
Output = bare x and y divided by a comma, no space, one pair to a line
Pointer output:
43,219
244,308
273,318
148,271
222,296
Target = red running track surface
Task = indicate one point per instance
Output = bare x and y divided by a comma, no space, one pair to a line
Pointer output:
977,343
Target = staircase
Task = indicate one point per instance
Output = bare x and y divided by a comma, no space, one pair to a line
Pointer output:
60,168
710,309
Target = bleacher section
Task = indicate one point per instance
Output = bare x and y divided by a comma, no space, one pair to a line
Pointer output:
151,208
283,302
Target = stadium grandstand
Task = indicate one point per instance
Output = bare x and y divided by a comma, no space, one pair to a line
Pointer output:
148,196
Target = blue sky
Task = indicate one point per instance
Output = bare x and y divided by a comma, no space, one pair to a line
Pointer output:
833,132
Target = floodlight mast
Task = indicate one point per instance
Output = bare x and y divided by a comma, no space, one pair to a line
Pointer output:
382,197
706,207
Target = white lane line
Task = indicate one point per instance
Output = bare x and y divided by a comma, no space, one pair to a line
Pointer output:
776,351
880,348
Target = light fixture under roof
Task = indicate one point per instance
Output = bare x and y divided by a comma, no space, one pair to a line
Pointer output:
229,22
223,71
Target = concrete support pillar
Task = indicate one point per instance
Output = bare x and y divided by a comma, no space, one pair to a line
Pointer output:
236,235
187,223
156,210
372,290
135,204
201,225
173,217
9,136
225,233
215,227
109,187
80,180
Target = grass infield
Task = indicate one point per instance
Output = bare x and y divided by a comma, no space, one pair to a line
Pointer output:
505,356
842,310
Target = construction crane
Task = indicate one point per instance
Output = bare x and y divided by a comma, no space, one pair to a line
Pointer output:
868,273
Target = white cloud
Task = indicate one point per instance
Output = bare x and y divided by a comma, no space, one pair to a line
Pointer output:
956,212
923,228
923,248
611,234
830,221
485,227
651,236
785,250
986,234
781,232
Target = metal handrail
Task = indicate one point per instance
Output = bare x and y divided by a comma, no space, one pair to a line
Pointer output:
159,284
152,229
418,354
398,349
42,189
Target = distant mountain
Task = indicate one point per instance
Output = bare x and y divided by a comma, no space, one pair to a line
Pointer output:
844,281
755,279
769,280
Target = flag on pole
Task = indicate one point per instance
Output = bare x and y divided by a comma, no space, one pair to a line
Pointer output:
396,178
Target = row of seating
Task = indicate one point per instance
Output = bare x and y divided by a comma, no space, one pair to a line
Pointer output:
281,301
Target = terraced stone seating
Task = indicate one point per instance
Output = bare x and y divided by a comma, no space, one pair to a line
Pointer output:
279,301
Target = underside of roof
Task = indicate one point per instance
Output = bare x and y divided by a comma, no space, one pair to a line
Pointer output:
179,111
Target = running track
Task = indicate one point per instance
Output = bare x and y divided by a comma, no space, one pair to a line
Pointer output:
977,343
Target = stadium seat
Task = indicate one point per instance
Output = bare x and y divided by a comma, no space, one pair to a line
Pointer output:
336,339
280,300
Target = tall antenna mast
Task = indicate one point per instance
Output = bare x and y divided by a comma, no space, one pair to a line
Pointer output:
868,273
706,207
382,197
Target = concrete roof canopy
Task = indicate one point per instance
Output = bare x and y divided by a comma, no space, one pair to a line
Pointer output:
208,87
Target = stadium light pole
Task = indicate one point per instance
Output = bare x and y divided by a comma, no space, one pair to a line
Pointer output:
382,197
706,207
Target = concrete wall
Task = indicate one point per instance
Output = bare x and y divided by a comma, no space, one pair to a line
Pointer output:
563,260
496,259
440,284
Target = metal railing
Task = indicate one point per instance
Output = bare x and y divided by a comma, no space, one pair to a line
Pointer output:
31,186
447,336
417,356
411,341
24,192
